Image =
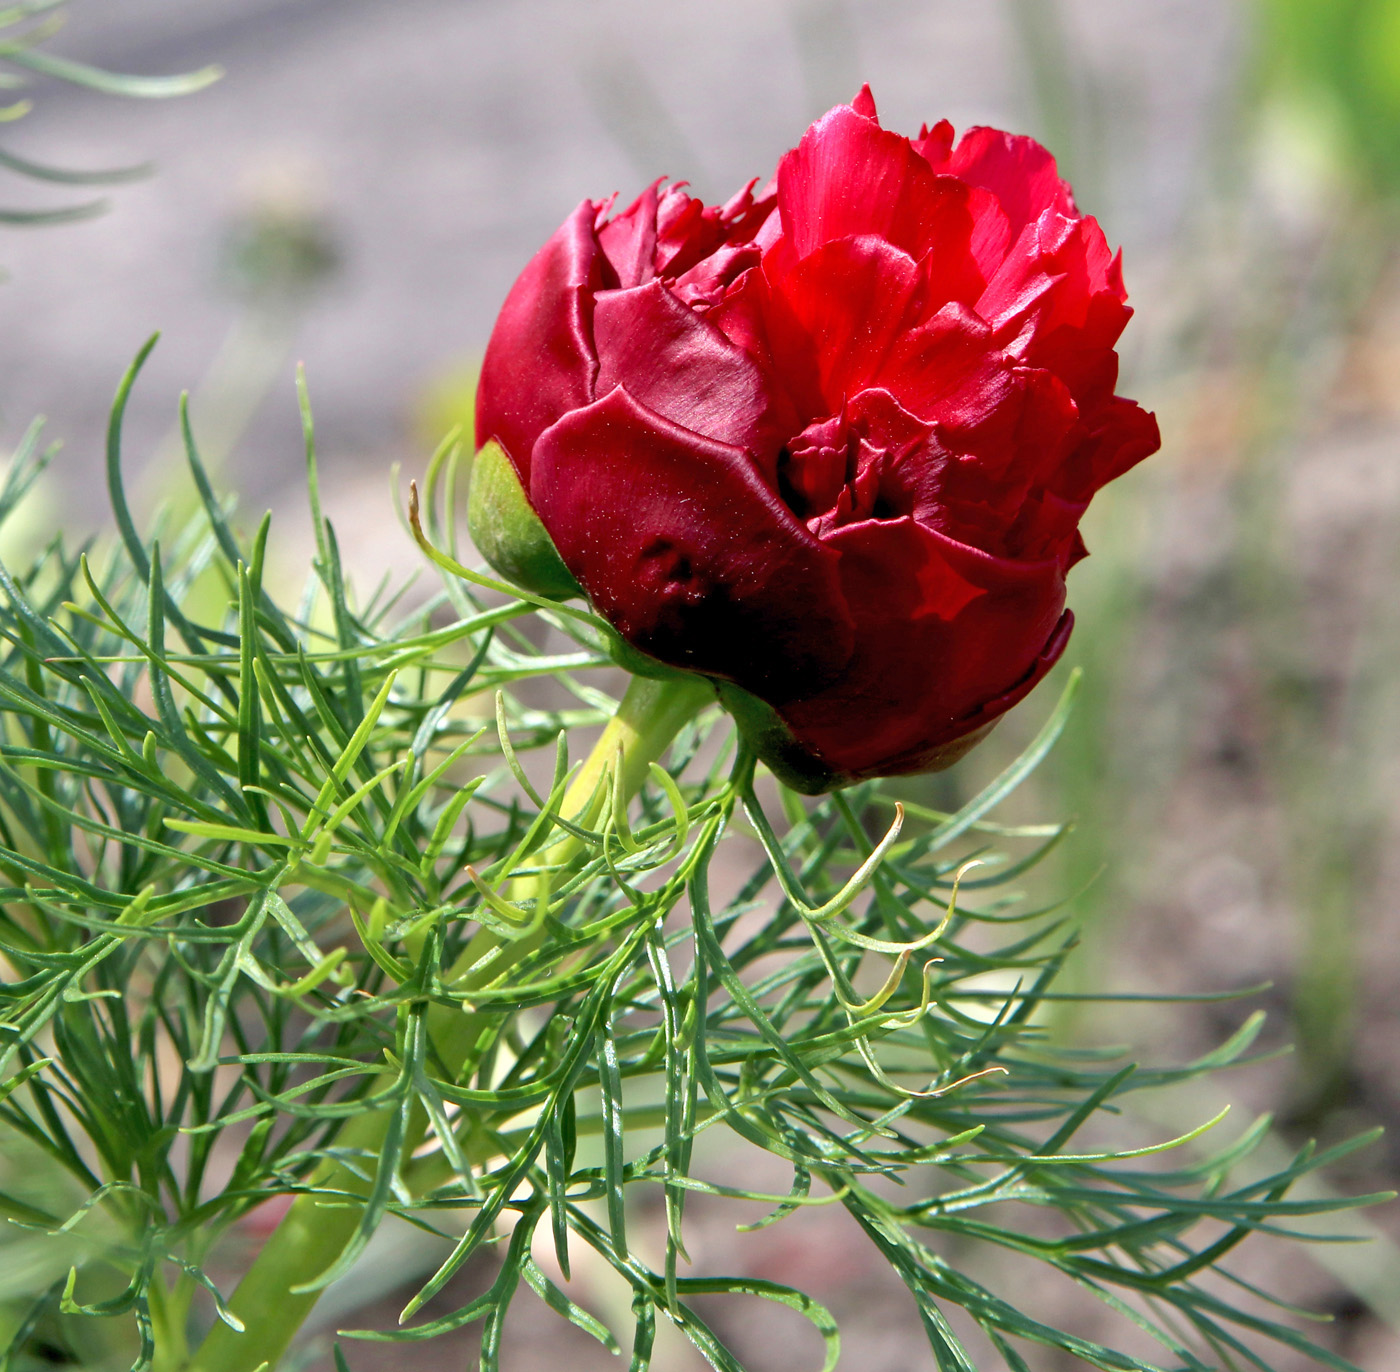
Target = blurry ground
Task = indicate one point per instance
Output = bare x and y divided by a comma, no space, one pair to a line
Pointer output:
394,165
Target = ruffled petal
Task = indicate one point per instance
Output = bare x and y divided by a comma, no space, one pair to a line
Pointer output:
1016,169
1082,317
1048,526
685,550
742,316
666,232
540,362
948,370
629,239
972,481
849,177
1016,292
933,753
935,145
989,240
704,284
1123,434
1060,276
831,321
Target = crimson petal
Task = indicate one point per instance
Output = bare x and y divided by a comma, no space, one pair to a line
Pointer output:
835,316
944,628
848,177
629,239
686,551
540,363
683,368
948,370
1016,169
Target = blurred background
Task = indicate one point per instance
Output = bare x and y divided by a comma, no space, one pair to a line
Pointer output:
360,190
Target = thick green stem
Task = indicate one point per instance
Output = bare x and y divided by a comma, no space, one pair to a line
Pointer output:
312,1236
170,1310
648,717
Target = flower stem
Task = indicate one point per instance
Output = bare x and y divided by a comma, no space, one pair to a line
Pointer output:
169,1314
311,1236
648,717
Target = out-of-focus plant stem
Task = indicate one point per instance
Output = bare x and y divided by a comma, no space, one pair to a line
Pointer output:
170,1311
312,1236
1064,92
1315,711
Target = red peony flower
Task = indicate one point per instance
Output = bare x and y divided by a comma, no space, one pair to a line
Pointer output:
828,444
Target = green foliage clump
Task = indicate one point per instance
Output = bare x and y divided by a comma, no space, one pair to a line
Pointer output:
1340,60
289,911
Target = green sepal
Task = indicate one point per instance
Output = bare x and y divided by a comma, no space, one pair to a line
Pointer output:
508,533
764,730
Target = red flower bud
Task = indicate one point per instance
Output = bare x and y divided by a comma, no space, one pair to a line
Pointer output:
829,443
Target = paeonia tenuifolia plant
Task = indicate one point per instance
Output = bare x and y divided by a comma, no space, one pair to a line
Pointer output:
332,970
828,444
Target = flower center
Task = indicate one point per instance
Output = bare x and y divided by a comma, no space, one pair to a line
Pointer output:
837,472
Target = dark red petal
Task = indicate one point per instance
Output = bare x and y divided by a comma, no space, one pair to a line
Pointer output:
942,630
1124,433
540,362
629,239
934,754
678,365
972,482
686,551
1048,526
705,283
742,316
687,231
